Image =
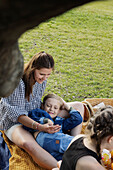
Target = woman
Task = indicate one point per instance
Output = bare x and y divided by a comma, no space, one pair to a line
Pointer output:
27,96
85,151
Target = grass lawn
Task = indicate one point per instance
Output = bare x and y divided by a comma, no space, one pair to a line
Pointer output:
81,42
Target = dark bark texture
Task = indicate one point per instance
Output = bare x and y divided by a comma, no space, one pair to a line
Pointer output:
16,17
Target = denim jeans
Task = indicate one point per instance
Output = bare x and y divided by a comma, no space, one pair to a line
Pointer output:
56,143
4,154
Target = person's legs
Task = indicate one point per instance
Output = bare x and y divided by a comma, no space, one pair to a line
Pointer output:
79,106
25,140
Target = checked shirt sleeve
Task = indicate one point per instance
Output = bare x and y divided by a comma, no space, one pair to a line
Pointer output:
13,106
16,107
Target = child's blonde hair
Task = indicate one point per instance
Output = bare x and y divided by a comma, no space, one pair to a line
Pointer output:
54,96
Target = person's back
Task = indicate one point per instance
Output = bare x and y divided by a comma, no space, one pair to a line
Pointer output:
77,155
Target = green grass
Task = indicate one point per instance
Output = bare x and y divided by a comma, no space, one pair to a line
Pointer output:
81,42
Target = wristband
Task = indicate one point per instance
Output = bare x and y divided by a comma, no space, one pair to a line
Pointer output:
33,124
37,126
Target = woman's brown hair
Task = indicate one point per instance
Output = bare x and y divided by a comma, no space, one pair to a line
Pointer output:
38,61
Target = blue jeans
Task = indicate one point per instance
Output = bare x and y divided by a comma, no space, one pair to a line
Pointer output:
4,154
56,143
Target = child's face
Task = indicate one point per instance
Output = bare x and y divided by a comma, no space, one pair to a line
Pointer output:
52,106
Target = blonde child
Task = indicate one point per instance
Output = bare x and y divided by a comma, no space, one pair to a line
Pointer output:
55,143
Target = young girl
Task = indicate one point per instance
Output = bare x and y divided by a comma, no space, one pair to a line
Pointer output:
26,97
84,153
55,143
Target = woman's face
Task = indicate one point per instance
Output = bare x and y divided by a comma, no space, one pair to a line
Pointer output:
42,74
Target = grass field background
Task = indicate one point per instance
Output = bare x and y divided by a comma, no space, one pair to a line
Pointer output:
81,42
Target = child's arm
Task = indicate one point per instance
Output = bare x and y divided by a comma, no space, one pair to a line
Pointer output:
74,120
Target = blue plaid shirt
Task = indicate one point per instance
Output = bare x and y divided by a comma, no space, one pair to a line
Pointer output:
15,105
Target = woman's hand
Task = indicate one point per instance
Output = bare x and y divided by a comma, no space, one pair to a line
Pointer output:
49,128
55,169
58,165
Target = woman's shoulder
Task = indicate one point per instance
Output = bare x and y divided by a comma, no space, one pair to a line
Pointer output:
19,90
21,86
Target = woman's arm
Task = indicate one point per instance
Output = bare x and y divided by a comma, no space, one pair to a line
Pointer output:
26,121
12,107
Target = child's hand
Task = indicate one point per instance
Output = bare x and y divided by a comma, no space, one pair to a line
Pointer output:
49,128
65,105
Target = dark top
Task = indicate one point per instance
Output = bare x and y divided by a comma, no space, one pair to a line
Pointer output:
76,150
